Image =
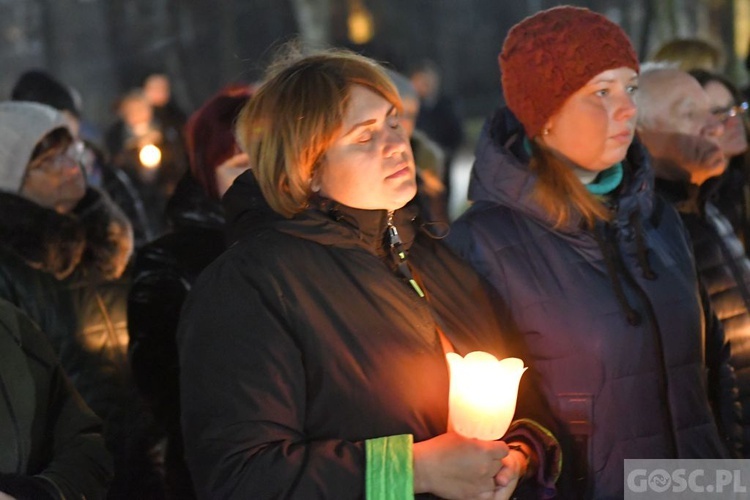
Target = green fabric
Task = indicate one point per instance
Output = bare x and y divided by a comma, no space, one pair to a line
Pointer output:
389,468
607,181
527,146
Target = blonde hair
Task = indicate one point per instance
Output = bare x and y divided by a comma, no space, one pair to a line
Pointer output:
294,117
691,53
559,192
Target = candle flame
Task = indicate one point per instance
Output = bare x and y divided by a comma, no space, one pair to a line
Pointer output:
150,156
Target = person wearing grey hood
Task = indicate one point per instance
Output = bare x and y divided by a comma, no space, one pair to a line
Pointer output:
64,248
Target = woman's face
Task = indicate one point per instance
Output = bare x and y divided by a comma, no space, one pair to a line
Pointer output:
733,141
595,126
370,164
54,179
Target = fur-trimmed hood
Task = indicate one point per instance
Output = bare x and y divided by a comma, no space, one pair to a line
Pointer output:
96,237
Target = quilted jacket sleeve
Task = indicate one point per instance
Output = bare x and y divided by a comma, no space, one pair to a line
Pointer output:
722,383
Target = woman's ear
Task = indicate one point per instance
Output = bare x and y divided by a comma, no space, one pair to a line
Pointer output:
547,127
315,177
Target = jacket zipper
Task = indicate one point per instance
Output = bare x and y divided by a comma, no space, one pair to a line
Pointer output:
656,331
397,250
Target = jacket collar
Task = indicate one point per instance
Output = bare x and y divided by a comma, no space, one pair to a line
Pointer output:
190,206
325,221
361,228
95,238
687,197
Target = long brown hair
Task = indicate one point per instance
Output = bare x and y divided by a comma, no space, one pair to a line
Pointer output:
559,192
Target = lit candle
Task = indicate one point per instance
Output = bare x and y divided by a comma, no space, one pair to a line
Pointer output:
483,393
150,156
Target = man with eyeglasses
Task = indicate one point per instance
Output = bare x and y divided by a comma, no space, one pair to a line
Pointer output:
41,87
54,178
687,133
732,196
64,248
725,113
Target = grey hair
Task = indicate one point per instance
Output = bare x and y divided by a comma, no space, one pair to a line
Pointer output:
650,66
643,99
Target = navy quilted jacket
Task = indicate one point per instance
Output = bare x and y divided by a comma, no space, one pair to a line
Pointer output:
612,317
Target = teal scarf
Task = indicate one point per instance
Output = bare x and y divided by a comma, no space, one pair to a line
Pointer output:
607,180
604,183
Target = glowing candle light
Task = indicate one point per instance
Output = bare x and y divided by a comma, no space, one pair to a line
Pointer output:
150,156
483,393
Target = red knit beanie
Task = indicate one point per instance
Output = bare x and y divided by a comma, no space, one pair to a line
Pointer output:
549,56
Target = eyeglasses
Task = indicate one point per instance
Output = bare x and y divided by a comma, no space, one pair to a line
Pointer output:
724,114
54,161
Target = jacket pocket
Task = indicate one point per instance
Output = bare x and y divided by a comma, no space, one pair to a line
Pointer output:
577,412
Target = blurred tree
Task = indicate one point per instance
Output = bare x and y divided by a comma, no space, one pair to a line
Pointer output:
102,47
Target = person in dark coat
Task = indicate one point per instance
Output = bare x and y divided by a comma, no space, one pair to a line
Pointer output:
597,271
166,269
439,115
157,88
154,160
731,195
312,352
428,156
52,447
64,249
39,86
688,160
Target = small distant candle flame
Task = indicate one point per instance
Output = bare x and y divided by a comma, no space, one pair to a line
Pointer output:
150,156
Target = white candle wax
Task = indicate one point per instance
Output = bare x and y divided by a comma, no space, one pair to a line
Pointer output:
483,393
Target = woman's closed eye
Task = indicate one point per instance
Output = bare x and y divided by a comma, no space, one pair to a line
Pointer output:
364,137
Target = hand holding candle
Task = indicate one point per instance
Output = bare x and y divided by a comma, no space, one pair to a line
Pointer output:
483,393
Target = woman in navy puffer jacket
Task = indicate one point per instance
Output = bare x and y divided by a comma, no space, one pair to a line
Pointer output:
596,270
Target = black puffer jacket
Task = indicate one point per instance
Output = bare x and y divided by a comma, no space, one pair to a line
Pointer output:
52,446
301,342
66,273
164,273
724,270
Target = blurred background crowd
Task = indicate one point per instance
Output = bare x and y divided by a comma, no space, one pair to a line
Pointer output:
105,49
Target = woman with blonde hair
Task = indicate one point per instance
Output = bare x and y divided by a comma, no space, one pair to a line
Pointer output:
597,271
312,352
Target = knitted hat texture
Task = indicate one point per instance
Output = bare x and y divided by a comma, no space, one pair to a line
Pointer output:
22,126
547,57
